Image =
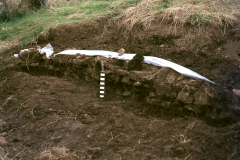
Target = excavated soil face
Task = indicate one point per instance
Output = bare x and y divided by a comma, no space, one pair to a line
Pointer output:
53,110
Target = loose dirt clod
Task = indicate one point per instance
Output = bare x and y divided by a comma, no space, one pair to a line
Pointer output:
121,51
135,63
236,92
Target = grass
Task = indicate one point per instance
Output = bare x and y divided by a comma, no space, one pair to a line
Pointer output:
220,13
5,104
194,13
25,29
165,4
4,60
190,19
234,152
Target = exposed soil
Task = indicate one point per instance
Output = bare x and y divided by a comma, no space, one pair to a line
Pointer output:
55,115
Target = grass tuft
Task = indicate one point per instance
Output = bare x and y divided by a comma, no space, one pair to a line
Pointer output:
143,14
56,153
165,4
221,14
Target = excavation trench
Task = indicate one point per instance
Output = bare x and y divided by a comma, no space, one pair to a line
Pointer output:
161,87
157,86
51,107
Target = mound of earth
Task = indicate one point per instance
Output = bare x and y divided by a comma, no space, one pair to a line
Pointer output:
50,109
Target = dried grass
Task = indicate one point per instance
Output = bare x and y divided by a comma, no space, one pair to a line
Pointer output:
190,21
76,16
56,153
12,5
7,44
60,152
142,14
3,142
47,155
54,3
221,13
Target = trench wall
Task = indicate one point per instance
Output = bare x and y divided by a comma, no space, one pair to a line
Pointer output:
161,87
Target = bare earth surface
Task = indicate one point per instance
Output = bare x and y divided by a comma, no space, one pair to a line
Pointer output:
45,115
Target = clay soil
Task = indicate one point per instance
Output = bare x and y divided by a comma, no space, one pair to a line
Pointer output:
48,116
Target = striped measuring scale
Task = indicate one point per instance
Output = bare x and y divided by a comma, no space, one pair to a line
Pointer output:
102,81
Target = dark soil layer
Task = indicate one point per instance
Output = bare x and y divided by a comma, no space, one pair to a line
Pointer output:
50,115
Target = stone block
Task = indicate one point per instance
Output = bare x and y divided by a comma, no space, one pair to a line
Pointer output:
122,72
126,80
185,97
80,62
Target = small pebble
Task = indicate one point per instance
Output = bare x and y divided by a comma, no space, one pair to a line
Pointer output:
121,52
236,92
126,94
137,84
4,134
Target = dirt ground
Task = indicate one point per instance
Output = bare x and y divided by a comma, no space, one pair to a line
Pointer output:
49,116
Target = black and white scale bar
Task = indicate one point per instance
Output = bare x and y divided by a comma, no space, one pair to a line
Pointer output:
102,81
102,84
